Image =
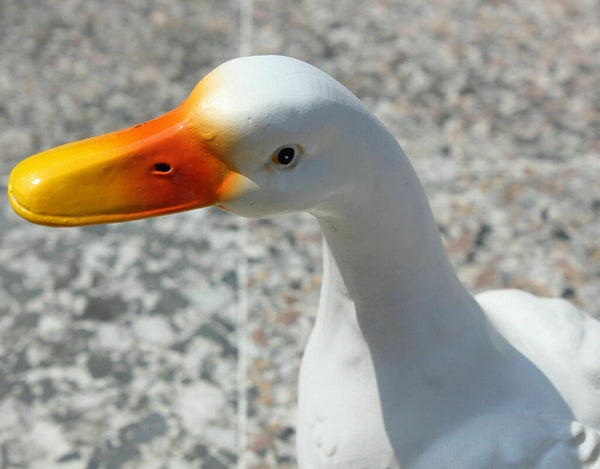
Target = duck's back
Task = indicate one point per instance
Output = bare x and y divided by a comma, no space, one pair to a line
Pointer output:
561,341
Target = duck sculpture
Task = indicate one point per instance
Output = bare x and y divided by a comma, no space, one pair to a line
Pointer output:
404,367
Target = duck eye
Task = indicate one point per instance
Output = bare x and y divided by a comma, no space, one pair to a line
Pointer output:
286,156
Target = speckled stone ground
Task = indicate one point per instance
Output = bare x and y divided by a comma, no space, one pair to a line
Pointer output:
119,345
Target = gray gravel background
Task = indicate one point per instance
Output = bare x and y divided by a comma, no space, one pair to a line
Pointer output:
119,344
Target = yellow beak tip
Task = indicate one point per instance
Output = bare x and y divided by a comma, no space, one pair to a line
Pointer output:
25,196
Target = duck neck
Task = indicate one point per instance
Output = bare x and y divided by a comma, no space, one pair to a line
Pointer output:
384,251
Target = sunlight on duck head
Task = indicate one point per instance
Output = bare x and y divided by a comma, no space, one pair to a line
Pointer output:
285,128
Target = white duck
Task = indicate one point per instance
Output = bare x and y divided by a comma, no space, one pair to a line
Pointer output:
404,368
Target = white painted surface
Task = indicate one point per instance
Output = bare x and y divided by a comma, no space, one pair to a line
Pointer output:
403,368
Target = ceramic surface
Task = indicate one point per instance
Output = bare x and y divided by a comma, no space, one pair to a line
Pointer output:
426,368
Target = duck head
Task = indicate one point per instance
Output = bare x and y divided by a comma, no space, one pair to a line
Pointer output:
258,136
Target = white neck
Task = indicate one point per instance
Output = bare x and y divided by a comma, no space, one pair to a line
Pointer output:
394,325
387,247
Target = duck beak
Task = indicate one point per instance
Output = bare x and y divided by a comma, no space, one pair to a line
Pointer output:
155,168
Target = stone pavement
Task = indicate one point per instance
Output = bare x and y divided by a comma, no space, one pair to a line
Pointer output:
128,346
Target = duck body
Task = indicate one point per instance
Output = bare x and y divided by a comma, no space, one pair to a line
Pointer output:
520,414
404,368
434,376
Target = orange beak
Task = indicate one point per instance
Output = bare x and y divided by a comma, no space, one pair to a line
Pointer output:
155,168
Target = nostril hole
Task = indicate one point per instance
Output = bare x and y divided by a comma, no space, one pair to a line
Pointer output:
162,167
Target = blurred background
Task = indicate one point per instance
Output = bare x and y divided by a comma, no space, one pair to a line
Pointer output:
175,342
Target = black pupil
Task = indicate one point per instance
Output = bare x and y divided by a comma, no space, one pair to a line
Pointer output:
286,156
162,167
